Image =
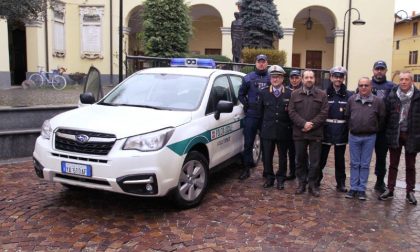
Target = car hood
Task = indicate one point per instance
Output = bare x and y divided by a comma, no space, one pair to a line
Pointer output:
123,121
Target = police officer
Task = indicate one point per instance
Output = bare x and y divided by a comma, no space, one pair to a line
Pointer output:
276,129
295,82
336,127
381,88
248,95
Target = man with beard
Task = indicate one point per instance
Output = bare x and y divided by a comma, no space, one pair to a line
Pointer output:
336,127
248,95
380,88
308,110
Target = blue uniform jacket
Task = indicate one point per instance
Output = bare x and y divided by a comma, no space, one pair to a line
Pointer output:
249,91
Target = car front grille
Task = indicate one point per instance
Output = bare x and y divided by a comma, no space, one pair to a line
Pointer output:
84,141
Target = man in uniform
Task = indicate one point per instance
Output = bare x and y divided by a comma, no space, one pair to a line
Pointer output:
308,110
276,129
248,95
380,88
336,127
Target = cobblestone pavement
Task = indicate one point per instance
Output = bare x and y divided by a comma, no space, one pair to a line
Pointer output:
234,216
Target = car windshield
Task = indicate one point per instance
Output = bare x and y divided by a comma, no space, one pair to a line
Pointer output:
159,91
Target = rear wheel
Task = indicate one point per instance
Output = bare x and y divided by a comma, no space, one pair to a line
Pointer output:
37,80
256,149
59,82
193,180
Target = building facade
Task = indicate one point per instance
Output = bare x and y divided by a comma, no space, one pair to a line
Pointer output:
81,33
406,47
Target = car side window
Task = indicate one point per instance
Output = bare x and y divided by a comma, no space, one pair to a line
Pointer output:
219,91
236,83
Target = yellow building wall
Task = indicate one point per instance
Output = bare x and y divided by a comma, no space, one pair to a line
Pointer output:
206,34
4,46
403,32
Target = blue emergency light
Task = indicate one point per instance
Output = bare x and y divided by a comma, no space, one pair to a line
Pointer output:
192,62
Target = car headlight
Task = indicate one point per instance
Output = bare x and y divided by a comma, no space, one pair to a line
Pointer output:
150,141
46,129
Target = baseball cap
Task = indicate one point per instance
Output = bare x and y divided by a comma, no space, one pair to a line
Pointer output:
380,64
338,71
294,73
276,70
261,57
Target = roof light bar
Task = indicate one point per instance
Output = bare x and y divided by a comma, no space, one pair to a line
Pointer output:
192,62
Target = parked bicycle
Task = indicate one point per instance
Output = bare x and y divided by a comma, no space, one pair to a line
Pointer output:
54,79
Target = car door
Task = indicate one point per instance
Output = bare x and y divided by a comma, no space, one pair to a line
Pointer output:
237,136
222,130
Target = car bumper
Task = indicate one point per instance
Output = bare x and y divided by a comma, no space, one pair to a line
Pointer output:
123,171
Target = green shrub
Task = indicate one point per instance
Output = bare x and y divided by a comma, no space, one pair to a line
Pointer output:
275,57
247,69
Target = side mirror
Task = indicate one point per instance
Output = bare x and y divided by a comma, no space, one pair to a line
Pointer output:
87,98
223,107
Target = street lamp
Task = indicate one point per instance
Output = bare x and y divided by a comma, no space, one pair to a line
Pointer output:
406,19
358,21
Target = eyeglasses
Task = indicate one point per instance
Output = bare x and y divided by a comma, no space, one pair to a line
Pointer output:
363,85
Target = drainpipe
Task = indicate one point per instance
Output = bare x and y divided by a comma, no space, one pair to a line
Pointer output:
348,35
120,39
110,43
47,63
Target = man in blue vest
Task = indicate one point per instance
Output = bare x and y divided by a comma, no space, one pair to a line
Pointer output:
248,95
381,88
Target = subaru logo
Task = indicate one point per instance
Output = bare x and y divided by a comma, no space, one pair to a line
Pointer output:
82,138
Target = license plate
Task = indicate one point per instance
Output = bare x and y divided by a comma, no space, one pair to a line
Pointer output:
76,169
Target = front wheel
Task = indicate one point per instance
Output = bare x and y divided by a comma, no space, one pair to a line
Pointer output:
59,82
193,180
37,79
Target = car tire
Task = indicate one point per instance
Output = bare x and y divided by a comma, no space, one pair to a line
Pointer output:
193,180
256,149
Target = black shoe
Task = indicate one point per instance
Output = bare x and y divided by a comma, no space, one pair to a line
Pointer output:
291,177
386,195
411,199
362,195
341,188
280,185
314,190
351,194
245,174
300,189
268,183
380,187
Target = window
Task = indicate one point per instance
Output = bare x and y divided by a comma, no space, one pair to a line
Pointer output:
91,31
415,25
212,51
236,84
58,30
397,45
417,78
413,58
220,91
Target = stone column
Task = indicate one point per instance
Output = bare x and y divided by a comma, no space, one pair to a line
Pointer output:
338,46
286,44
35,46
226,42
5,80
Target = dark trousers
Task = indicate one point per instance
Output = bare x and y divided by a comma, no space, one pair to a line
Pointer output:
290,149
303,171
340,168
251,126
268,154
410,165
381,150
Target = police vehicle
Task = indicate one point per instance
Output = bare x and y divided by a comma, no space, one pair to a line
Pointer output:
157,133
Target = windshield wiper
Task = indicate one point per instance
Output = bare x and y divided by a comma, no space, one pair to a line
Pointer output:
107,104
139,106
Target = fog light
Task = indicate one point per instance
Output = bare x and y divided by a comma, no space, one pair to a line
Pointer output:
149,187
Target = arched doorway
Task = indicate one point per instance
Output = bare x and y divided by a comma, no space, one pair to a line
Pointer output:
135,25
313,45
17,51
207,37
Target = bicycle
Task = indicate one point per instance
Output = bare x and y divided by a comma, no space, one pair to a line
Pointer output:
55,79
